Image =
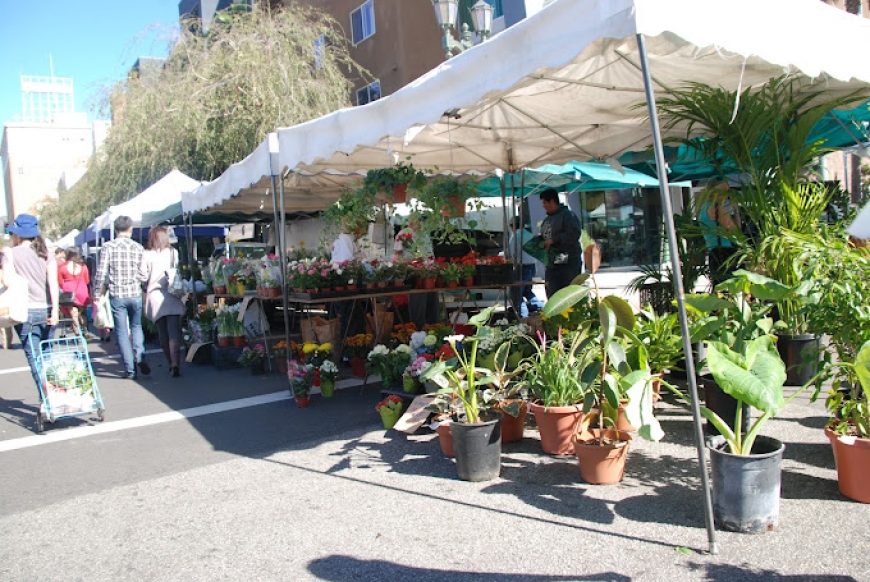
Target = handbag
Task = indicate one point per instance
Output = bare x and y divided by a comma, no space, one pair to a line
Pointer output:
13,297
103,315
176,285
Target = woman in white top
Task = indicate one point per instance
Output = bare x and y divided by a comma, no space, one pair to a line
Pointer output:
164,309
29,258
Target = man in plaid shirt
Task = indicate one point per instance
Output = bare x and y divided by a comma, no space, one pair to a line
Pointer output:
119,271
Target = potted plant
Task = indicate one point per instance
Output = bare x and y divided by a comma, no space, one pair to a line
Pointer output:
390,409
328,375
254,358
280,352
203,324
353,211
476,430
660,334
357,348
506,395
447,195
396,178
389,364
301,377
450,273
616,372
849,428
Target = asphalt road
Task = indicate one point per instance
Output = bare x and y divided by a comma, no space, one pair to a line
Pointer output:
218,476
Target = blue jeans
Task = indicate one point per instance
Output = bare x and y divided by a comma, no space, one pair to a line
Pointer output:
127,313
30,333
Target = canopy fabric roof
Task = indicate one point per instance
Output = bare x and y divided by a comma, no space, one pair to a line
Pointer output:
860,227
564,84
162,193
68,239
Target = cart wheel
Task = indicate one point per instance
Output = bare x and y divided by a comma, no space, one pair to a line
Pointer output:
101,414
40,424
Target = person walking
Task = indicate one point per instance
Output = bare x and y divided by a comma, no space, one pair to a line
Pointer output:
161,307
29,258
560,230
118,271
74,277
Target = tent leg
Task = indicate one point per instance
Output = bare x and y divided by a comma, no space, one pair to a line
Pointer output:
278,203
667,211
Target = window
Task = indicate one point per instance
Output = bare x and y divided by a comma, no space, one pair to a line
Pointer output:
362,22
319,50
368,93
627,225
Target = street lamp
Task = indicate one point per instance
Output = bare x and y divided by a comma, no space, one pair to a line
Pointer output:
446,13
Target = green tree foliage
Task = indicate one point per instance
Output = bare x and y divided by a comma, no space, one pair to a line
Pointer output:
214,101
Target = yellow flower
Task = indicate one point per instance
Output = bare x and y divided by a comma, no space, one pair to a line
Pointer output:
324,347
567,313
309,347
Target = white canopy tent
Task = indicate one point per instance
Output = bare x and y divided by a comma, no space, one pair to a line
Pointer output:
860,227
571,82
161,194
563,84
67,240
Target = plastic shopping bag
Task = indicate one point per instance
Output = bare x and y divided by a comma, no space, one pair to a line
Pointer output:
103,317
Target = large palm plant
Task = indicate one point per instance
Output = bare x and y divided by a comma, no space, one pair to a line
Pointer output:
760,137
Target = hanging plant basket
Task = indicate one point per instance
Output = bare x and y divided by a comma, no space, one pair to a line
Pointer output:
454,207
400,194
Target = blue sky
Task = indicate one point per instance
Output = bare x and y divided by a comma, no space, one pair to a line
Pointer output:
92,41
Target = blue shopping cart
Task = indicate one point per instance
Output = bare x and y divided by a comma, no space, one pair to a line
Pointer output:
67,385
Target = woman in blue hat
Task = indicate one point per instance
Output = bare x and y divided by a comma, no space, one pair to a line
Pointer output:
29,258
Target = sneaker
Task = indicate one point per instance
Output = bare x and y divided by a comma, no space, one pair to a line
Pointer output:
129,375
144,367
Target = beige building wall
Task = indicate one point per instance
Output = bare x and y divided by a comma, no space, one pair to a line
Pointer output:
37,156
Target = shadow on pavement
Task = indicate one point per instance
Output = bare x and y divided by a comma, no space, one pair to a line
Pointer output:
346,567
729,573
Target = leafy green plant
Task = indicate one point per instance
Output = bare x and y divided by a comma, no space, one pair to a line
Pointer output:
462,377
353,210
401,173
661,337
850,411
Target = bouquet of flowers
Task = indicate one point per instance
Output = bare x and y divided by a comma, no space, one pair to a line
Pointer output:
228,321
390,408
405,238
301,377
402,332
358,345
328,370
316,354
423,342
390,364
252,356
280,349
419,366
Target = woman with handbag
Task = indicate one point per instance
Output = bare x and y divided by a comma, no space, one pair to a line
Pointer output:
29,258
74,277
161,307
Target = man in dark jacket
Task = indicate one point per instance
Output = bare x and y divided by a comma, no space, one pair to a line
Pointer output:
561,233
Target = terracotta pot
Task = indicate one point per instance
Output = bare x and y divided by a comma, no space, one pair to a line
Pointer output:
468,282
400,193
556,425
338,288
302,401
452,284
427,283
445,438
512,428
224,342
656,384
281,364
454,207
368,286
381,285
601,464
352,287
239,341
622,423
853,466
220,290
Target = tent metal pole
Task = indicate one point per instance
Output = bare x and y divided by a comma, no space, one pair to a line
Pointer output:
667,210
188,234
282,256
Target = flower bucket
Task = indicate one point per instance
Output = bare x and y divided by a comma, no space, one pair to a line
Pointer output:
327,387
358,365
390,416
411,385
239,341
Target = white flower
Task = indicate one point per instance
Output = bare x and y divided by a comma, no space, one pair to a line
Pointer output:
328,367
502,322
430,341
454,339
378,350
404,349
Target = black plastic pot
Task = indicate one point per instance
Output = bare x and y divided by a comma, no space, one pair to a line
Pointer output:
722,404
478,448
801,354
746,489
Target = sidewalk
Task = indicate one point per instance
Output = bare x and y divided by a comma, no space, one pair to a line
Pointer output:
342,499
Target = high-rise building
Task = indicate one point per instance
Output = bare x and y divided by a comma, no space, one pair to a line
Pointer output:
47,149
